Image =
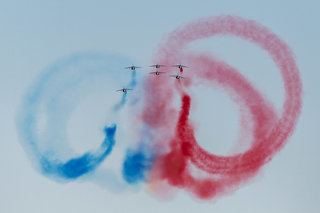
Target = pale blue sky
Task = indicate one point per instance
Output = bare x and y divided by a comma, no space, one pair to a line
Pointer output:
34,34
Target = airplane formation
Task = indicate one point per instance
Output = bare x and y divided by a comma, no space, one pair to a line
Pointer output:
156,73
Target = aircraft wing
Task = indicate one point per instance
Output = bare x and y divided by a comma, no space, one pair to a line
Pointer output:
156,72
180,65
155,65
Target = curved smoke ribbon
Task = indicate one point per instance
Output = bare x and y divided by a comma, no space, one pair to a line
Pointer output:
270,133
55,94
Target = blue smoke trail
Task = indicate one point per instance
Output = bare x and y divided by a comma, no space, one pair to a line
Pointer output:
136,165
131,85
139,161
79,166
122,102
56,93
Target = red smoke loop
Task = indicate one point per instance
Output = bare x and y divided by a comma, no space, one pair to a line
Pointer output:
182,162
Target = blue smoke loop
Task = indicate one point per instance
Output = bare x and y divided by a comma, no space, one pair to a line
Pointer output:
51,94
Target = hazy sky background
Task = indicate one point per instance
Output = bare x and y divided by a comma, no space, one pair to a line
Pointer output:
35,34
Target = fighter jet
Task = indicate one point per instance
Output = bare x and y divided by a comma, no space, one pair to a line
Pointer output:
157,66
180,67
124,90
177,76
156,73
132,67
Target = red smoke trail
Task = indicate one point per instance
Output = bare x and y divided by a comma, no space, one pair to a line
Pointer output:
183,156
